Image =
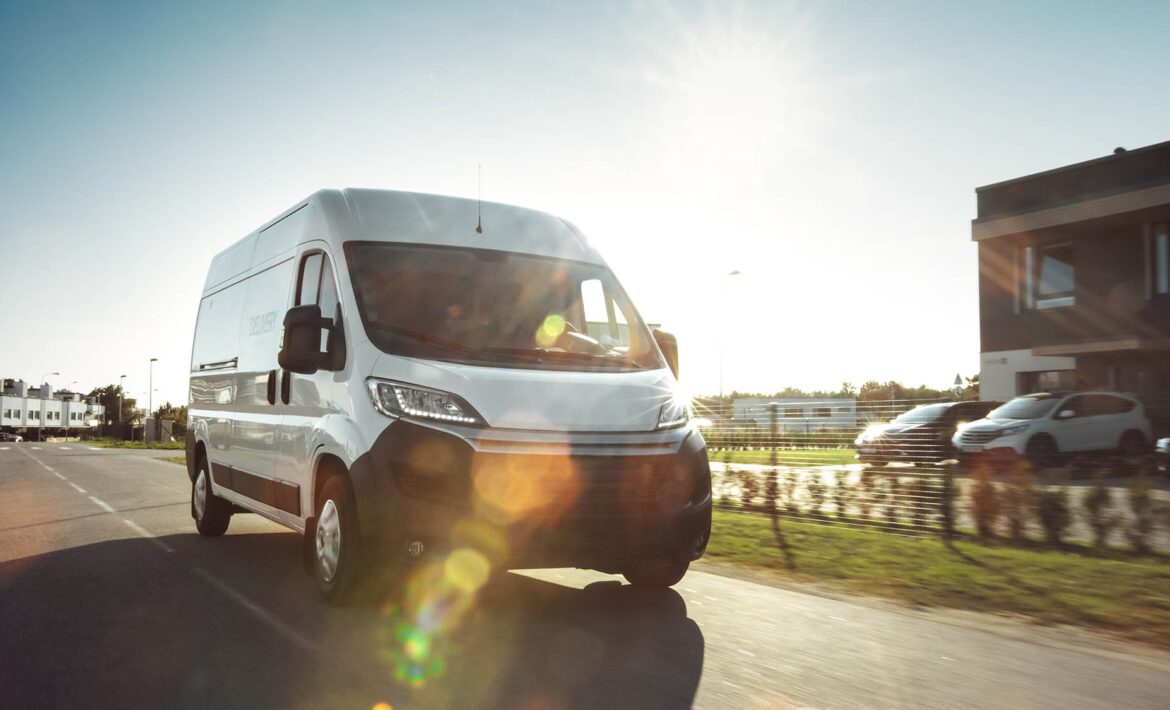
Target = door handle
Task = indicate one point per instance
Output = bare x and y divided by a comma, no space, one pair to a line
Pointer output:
272,386
285,384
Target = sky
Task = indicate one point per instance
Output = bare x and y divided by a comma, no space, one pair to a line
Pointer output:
828,151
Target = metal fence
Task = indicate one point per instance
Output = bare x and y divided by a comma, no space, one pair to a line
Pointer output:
812,476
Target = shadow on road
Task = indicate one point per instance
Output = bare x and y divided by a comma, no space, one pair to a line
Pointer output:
124,624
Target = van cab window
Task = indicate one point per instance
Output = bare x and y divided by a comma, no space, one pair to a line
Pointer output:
497,308
317,285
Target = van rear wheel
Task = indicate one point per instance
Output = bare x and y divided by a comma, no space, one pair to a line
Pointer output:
657,575
211,513
336,542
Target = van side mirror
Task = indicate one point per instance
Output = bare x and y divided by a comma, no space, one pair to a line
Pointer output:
668,344
300,348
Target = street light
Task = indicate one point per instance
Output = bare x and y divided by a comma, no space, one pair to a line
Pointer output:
722,294
70,412
121,389
41,391
150,396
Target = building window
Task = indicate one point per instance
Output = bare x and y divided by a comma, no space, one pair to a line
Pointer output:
1159,259
793,413
823,412
1056,279
1045,381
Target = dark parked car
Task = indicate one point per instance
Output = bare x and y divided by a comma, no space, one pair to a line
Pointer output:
921,435
5,436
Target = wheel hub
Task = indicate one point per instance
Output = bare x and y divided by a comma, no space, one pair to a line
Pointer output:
328,540
200,494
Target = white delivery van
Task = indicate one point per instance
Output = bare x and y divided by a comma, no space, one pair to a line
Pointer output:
399,375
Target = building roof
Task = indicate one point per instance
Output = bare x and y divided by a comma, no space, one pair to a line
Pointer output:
1123,171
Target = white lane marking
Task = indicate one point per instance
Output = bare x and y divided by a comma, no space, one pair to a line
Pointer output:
76,487
103,505
95,448
259,612
35,448
4,448
62,448
60,476
147,534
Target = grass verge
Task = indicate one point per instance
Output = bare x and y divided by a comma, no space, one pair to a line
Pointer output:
1123,593
120,444
181,460
789,457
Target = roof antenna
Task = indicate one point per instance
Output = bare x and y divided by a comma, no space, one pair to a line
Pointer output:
479,202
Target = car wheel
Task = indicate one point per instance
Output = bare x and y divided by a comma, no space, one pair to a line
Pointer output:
657,575
1132,450
1041,452
337,544
211,513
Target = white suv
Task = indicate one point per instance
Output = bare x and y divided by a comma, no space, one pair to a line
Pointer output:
1045,425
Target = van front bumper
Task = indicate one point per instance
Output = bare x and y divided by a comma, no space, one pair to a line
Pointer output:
526,510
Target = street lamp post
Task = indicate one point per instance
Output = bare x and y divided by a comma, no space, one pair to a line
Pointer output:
121,389
41,390
150,396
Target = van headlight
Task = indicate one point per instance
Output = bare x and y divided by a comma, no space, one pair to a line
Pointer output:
395,399
675,412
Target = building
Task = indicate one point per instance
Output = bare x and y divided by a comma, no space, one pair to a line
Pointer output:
797,413
25,409
1074,280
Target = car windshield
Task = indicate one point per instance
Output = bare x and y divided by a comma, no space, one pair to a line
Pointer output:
1025,407
922,414
497,308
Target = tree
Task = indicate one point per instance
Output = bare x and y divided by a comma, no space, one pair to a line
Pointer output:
108,397
175,414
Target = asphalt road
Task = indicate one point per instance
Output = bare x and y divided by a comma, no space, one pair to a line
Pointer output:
108,598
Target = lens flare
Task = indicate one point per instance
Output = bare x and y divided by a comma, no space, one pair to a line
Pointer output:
550,331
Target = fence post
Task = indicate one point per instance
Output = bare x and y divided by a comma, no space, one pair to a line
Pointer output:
771,490
948,504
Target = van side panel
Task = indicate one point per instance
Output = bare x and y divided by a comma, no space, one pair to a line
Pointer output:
216,346
254,417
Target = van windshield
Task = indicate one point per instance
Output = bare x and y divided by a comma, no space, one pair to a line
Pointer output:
488,307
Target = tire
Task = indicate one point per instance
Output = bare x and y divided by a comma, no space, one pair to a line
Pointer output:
1041,452
210,512
1132,450
657,575
338,565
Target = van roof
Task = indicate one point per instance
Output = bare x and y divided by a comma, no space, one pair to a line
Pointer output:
355,214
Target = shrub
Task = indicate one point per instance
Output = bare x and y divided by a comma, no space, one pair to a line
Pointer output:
1016,499
788,491
842,492
1141,506
1053,512
984,502
1097,503
892,501
748,487
865,496
816,492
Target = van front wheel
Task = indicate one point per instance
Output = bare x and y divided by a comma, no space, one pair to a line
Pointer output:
211,513
336,542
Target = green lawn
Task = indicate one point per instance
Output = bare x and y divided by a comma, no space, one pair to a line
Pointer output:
120,444
1122,593
789,457
181,460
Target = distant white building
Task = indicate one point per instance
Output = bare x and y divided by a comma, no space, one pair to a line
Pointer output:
24,407
797,413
